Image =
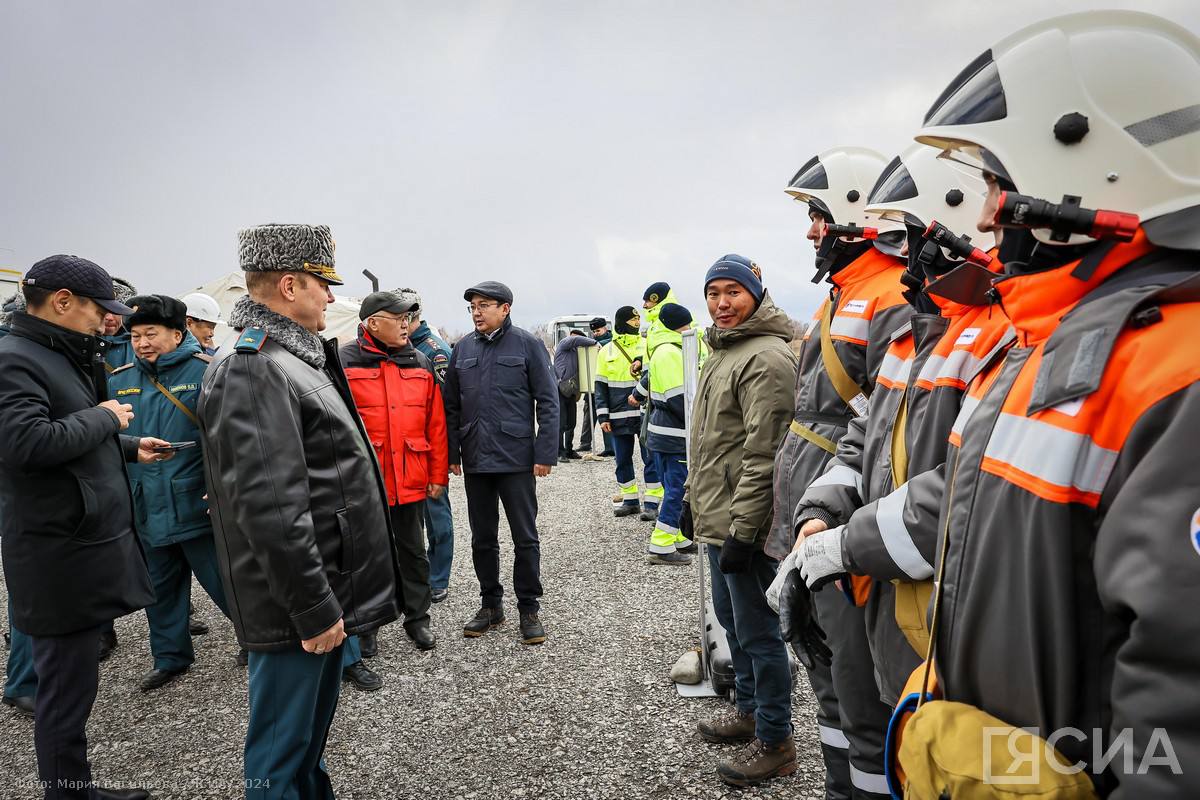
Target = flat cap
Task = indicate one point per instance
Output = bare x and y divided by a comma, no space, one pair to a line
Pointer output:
493,289
79,276
391,302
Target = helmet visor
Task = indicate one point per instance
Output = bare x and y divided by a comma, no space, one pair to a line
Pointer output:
974,160
811,176
894,185
975,96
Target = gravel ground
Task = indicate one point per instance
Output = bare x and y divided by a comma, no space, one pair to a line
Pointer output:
590,714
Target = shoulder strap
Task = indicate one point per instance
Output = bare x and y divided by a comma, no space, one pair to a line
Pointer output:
205,357
850,392
624,352
899,445
187,412
251,340
114,370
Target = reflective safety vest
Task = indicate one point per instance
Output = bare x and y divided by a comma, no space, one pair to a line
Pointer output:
615,382
663,384
1071,518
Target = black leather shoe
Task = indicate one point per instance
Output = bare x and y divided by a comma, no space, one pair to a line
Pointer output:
197,627
484,620
368,643
158,678
243,658
22,705
571,455
121,794
108,643
423,638
626,510
532,631
606,454
439,595
649,514
363,679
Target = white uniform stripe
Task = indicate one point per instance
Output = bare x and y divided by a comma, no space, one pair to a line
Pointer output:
620,384
869,781
627,484
839,475
895,369
969,404
650,487
833,737
959,365
889,516
665,431
850,327
1054,455
676,392
665,528
624,414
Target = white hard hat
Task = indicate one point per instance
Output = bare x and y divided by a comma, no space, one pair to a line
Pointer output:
919,188
202,307
838,182
1099,105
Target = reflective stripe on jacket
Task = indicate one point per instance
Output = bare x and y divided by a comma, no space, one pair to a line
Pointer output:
615,382
400,402
662,383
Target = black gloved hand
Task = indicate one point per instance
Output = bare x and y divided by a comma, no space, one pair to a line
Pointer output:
736,555
799,625
686,526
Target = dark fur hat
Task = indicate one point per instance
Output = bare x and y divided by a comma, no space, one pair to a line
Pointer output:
158,309
289,248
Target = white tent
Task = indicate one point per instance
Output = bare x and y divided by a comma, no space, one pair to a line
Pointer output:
341,318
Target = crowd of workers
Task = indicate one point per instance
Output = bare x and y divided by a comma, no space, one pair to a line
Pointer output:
966,498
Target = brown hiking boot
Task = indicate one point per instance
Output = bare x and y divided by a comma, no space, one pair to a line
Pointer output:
730,727
757,762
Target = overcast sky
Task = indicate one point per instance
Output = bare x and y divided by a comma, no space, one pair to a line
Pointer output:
575,151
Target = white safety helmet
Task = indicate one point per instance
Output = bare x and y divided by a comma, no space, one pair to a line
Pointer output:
838,181
202,307
919,187
1099,105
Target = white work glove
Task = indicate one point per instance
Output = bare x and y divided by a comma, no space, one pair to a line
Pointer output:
822,557
776,586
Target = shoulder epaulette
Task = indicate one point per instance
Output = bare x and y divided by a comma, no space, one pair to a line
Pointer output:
251,340
122,368
205,357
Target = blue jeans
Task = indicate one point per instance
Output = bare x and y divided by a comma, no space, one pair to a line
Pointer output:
293,697
672,467
20,678
762,675
622,445
439,528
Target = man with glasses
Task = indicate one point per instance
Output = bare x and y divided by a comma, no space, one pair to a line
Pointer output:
400,402
502,419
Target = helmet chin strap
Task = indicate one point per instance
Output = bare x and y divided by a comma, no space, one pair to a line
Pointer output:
835,253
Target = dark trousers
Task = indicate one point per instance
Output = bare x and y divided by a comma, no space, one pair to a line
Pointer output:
293,697
171,569
568,415
439,528
518,492
407,521
68,675
762,674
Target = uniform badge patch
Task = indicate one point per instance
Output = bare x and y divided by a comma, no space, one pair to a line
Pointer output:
1195,530
854,307
967,337
130,390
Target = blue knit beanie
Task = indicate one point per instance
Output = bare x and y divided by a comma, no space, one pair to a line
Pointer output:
736,268
674,316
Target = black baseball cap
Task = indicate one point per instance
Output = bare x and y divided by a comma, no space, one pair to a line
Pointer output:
79,276
375,302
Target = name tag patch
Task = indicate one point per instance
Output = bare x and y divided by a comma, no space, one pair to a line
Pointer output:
854,307
967,337
1070,408
131,390
183,387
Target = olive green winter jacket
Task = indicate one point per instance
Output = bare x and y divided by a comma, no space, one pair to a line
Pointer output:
743,406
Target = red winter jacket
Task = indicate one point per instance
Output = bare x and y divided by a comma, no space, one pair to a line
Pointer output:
400,403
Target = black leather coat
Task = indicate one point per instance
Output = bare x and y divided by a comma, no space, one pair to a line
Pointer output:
298,506
72,560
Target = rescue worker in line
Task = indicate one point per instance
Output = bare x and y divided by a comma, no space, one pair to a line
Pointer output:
918,393
400,402
621,418
499,386
742,407
841,354
654,298
602,335
163,386
1069,548
298,506
439,520
203,314
662,385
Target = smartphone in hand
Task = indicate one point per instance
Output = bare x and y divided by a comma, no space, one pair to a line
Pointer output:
173,446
